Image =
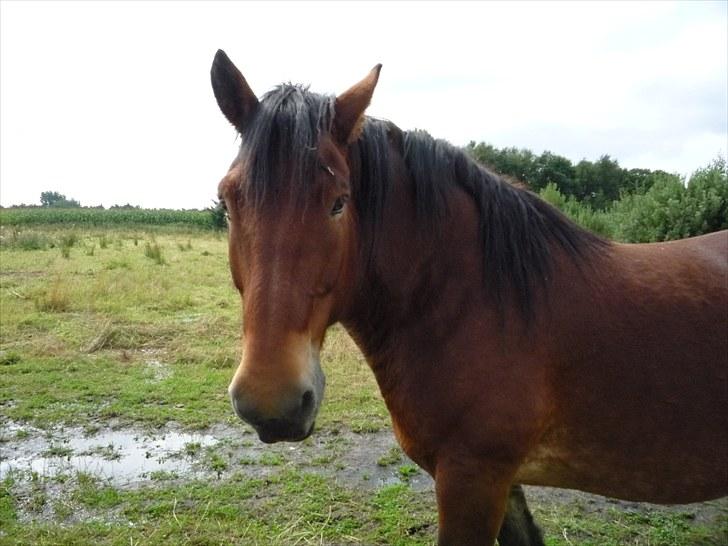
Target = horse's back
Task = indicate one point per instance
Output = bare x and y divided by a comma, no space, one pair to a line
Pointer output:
713,250
710,249
641,376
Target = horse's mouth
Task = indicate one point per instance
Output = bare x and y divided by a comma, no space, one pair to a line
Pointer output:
271,436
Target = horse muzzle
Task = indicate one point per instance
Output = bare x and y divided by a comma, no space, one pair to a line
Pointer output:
280,412
293,424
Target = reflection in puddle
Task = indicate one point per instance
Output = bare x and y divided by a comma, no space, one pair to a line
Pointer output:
129,456
121,456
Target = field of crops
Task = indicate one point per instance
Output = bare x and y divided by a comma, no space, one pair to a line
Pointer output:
84,217
116,349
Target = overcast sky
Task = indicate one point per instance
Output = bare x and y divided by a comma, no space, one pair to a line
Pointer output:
111,103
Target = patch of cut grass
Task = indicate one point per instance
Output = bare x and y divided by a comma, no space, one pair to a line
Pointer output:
90,492
393,456
192,448
58,451
402,517
407,471
163,475
566,525
271,459
8,513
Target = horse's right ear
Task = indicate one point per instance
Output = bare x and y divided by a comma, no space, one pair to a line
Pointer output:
234,96
350,106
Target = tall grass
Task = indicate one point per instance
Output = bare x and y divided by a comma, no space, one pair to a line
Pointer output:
154,252
55,298
25,240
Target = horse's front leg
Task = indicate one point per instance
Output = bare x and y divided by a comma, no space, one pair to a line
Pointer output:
471,501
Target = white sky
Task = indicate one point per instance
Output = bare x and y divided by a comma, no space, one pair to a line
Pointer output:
111,103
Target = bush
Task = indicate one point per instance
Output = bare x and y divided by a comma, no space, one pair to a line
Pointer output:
581,213
670,210
706,199
218,217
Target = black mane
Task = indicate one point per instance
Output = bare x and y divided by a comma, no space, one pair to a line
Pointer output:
518,229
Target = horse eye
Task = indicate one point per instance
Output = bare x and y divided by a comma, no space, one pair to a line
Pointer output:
338,207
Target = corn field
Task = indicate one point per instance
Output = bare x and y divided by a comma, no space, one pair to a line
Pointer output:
82,217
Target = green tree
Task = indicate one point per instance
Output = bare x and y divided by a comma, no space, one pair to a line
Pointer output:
598,183
653,216
671,210
55,199
513,162
582,214
554,169
706,199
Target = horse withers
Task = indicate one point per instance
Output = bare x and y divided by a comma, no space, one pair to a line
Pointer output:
510,345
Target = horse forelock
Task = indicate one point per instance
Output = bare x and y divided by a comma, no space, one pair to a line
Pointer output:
279,147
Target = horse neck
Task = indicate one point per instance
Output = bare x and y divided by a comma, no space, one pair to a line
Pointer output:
417,285
415,282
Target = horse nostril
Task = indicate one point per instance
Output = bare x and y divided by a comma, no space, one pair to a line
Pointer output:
307,402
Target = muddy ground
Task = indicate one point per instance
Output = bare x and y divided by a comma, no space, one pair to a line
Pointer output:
129,458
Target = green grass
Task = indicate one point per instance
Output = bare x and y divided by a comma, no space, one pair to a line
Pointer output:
393,456
286,508
78,333
113,337
575,524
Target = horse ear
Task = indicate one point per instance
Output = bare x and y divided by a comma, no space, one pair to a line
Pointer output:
234,96
350,107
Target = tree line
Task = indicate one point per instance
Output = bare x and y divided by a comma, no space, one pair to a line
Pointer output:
631,205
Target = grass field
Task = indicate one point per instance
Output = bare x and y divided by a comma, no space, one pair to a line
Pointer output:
135,330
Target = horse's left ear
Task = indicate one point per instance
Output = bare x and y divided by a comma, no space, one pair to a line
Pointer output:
350,107
234,96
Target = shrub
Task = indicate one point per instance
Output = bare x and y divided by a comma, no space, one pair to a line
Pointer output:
217,216
581,213
670,210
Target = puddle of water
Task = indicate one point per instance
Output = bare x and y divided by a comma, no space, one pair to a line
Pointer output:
120,456
129,456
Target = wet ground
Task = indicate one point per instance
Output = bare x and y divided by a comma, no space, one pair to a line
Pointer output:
128,457
125,457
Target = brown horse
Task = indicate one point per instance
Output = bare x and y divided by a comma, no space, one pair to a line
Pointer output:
510,345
